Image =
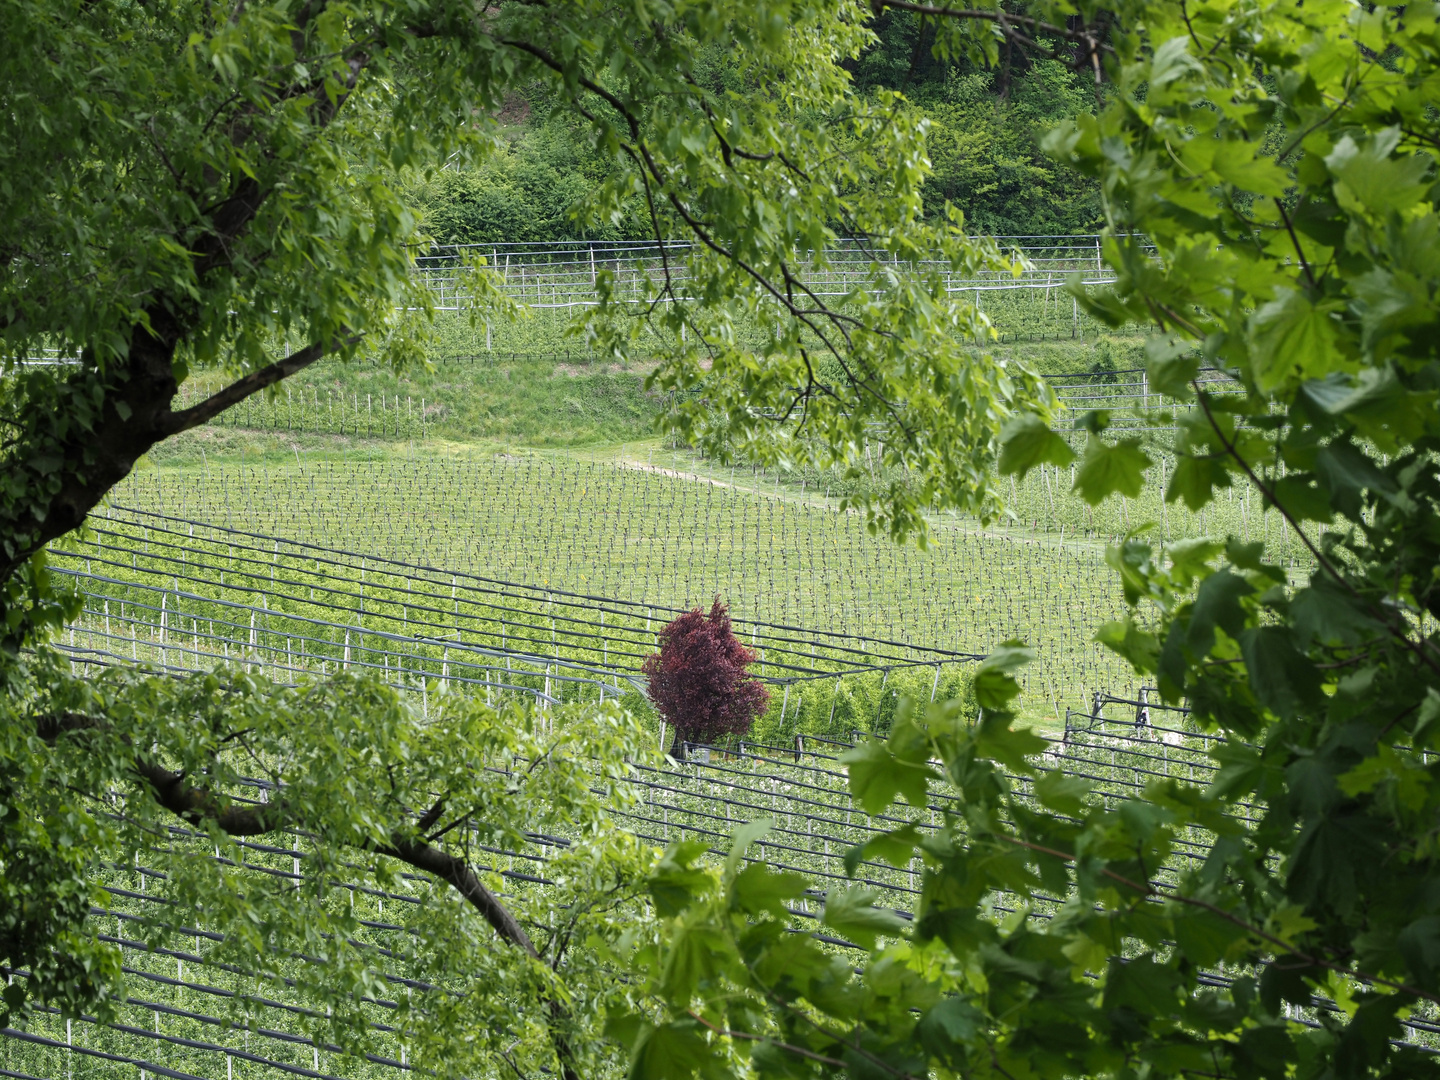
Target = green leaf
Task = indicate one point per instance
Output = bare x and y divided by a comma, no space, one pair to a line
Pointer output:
1284,679
1217,604
1328,613
876,776
1027,441
851,913
946,1030
1385,766
1348,472
1061,793
743,837
995,684
1419,944
1107,469
908,741
1246,165
1141,984
1170,365
771,1060
1299,497
671,1051
1263,1053
997,740
1293,339
1190,560
1372,179
1427,716
1195,479
675,884
1241,771
757,889
1205,937
1251,557
626,1028
694,952
896,847
1138,646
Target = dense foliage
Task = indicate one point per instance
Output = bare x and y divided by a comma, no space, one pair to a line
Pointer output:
697,681
985,120
1282,920
984,125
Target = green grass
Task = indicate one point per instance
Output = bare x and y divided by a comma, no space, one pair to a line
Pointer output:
541,396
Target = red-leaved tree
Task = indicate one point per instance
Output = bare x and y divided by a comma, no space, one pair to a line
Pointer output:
698,681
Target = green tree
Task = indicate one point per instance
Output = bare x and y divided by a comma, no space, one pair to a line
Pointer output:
190,186
1279,156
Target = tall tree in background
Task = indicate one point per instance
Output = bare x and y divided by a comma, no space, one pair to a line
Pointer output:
1280,156
698,680
190,186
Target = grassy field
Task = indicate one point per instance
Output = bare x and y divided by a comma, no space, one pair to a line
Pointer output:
538,390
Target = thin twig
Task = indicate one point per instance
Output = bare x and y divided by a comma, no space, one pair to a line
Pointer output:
798,1050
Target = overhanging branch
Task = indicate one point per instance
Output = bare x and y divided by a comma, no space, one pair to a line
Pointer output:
175,422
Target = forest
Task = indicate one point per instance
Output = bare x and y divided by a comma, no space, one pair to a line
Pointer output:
985,122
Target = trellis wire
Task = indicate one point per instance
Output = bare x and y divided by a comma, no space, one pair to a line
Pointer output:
626,529
564,275
305,595
715,789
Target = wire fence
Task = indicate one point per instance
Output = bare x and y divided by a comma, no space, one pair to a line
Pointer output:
567,275
313,408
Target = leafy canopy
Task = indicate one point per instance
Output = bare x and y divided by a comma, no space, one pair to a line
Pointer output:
1280,158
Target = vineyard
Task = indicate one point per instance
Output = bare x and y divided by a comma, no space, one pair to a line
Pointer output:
200,1018
649,530
486,369
561,277
180,596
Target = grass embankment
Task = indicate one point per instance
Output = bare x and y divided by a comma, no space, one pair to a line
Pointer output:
500,398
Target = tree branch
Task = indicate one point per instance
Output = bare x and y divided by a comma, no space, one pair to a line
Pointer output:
197,806
455,872
172,423
799,1051
200,808
1379,613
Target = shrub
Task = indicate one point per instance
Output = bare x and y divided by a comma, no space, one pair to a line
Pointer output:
865,703
698,681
